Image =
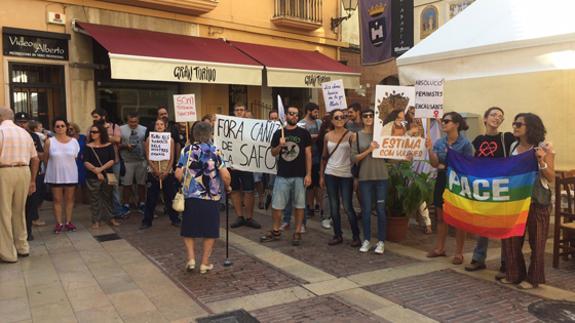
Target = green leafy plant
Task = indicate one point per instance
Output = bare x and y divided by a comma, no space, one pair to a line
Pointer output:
407,189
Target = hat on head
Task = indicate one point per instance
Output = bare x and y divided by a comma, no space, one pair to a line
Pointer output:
21,116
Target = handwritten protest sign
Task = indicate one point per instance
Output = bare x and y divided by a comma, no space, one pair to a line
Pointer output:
429,98
245,143
185,107
390,127
334,95
159,146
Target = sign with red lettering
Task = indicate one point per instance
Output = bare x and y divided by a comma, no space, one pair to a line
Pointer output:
185,107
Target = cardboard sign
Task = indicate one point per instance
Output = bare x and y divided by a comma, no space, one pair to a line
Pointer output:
334,95
246,143
185,107
392,135
429,98
159,146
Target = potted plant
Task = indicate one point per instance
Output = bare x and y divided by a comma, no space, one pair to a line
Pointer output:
407,190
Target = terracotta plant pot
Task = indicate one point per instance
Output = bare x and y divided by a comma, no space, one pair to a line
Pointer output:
396,230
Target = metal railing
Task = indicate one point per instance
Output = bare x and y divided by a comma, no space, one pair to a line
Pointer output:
306,10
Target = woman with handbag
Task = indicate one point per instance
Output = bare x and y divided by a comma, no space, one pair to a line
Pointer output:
160,178
99,157
201,172
373,181
60,155
335,174
530,133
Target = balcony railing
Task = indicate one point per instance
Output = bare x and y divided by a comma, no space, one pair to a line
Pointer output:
190,7
301,14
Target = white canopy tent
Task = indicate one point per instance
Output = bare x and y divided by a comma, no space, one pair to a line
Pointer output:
515,54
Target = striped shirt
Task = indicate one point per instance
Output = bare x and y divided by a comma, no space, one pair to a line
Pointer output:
16,145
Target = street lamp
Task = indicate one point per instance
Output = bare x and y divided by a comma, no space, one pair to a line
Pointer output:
349,7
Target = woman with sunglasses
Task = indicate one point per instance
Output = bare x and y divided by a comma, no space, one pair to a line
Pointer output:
452,124
335,174
373,178
530,133
60,155
99,158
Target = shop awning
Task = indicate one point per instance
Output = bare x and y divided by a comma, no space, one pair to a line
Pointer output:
287,67
147,55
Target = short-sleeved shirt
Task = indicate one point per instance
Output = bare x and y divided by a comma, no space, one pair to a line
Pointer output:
313,129
105,154
16,145
461,145
291,162
134,137
353,126
492,146
201,164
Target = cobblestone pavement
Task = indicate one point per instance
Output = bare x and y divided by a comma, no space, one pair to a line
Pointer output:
141,278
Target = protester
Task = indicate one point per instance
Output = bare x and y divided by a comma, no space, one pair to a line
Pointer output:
133,154
373,181
18,168
62,173
493,144
201,172
99,158
273,115
243,184
293,146
354,117
34,200
314,194
81,189
326,126
210,118
172,128
530,133
452,124
335,174
160,178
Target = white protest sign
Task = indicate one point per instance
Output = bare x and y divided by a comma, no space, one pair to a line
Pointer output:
159,146
246,143
334,95
185,107
390,128
281,110
429,98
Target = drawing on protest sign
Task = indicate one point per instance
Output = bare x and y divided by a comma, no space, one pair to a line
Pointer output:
429,98
185,107
246,143
159,146
334,95
390,128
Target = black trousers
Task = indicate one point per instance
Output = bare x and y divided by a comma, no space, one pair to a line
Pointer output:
33,203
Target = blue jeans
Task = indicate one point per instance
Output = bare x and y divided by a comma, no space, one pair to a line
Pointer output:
343,186
367,189
480,252
117,210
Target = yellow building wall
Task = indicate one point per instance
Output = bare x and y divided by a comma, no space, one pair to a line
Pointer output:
550,95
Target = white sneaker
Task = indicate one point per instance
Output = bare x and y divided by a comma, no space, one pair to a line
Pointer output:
326,223
302,228
365,246
284,226
379,248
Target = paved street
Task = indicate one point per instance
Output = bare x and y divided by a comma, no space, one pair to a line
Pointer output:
138,276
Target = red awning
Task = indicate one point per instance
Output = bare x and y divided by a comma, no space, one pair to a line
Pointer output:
148,55
286,67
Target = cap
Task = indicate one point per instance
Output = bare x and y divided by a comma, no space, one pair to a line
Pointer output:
21,116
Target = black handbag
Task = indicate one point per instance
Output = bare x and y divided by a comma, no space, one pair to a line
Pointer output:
540,195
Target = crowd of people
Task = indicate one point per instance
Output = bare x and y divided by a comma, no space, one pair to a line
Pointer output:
331,155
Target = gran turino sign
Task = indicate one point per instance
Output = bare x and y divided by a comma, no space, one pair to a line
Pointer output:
34,44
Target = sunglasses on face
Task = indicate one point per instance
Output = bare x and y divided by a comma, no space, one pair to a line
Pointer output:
94,131
446,121
292,114
60,126
339,118
367,115
517,124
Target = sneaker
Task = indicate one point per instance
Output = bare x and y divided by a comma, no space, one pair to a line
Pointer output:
240,221
58,228
142,208
271,236
302,228
326,223
379,248
284,226
70,227
474,266
126,209
296,239
253,224
365,246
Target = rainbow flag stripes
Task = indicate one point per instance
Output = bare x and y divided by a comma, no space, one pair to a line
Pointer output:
489,196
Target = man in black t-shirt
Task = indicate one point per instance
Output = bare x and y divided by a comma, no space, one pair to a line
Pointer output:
493,144
293,146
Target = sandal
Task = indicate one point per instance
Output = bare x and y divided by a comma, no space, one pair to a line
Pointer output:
114,223
505,281
271,236
524,285
427,230
434,253
457,260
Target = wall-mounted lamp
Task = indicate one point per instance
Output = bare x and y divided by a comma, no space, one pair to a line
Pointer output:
349,7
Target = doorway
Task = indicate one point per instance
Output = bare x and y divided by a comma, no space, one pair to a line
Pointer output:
38,90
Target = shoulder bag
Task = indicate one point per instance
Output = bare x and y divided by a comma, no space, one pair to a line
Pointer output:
110,177
179,201
336,146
